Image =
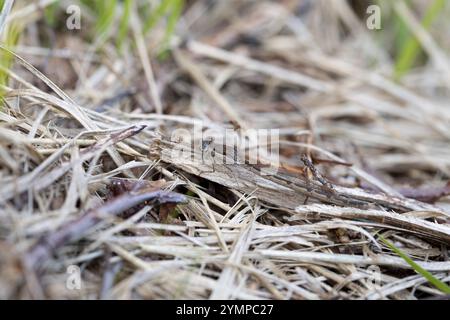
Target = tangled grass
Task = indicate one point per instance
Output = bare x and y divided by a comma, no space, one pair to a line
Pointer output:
85,130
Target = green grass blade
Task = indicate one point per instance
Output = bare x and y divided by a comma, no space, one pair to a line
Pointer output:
124,23
106,11
411,48
50,13
157,14
6,59
172,20
6,7
177,8
427,275
10,39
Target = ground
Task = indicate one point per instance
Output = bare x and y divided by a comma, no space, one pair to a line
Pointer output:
119,180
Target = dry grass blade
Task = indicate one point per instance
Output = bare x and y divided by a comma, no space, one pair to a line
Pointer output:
49,244
432,231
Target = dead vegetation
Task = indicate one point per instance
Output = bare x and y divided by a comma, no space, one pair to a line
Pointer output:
87,177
